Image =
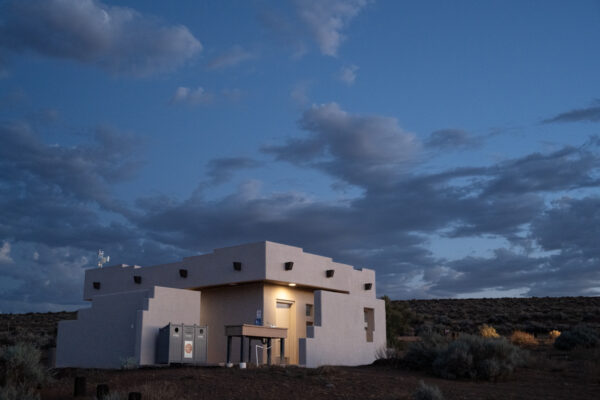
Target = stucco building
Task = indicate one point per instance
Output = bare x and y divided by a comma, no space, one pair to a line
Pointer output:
330,310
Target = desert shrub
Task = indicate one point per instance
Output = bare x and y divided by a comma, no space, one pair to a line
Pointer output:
521,338
21,372
427,392
475,357
468,357
422,354
554,334
579,336
488,331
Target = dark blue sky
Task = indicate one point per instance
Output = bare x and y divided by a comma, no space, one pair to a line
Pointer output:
451,146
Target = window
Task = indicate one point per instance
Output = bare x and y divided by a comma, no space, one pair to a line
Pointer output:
369,323
309,308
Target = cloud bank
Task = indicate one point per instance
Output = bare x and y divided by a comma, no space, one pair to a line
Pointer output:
117,39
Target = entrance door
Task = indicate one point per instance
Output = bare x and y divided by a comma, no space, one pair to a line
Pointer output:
284,319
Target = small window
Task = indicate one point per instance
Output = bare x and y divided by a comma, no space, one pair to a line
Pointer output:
309,309
309,323
369,323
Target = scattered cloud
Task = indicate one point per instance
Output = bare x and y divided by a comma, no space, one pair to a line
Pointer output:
232,57
588,114
220,170
299,93
5,254
117,39
284,30
448,139
348,74
189,96
354,148
326,19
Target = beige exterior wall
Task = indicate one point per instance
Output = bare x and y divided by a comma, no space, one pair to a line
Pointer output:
298,298
228,305
339,336
122,326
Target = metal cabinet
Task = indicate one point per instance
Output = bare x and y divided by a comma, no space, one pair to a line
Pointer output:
179,343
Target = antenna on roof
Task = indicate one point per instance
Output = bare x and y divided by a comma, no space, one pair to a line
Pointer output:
101,259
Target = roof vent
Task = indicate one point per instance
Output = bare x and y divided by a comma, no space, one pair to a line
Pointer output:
368,286
237,265
137,279
289,265
183,273
96,285
329,273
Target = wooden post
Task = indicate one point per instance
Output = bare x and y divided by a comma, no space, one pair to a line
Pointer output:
228,349
242,348
250,350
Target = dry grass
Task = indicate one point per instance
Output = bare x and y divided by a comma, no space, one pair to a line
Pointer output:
521,338
488,331
553,334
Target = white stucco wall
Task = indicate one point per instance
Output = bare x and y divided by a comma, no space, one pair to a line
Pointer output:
123,325
338,337
164,305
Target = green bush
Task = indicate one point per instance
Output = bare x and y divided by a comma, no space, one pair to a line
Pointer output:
579,336
427,392
468,357
21,372
399,318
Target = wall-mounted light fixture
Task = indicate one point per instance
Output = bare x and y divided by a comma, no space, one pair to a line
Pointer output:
237,265
368,286
291,284
329,273
289,265
137,279
96,285
183,273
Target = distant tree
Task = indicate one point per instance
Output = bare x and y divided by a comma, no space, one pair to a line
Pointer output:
399,318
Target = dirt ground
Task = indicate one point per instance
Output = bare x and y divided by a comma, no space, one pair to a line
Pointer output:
552,375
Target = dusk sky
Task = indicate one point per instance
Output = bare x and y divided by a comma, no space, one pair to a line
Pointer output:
452,146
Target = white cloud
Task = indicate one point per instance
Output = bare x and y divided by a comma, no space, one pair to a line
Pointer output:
5,257
231,58
325,20
348,74
186,95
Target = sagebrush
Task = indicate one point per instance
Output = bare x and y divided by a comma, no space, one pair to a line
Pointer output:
468,357
427,392
579,336
21,372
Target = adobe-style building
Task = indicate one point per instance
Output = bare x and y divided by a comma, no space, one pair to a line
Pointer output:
328,310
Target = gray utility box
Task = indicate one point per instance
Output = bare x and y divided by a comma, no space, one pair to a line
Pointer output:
179,343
